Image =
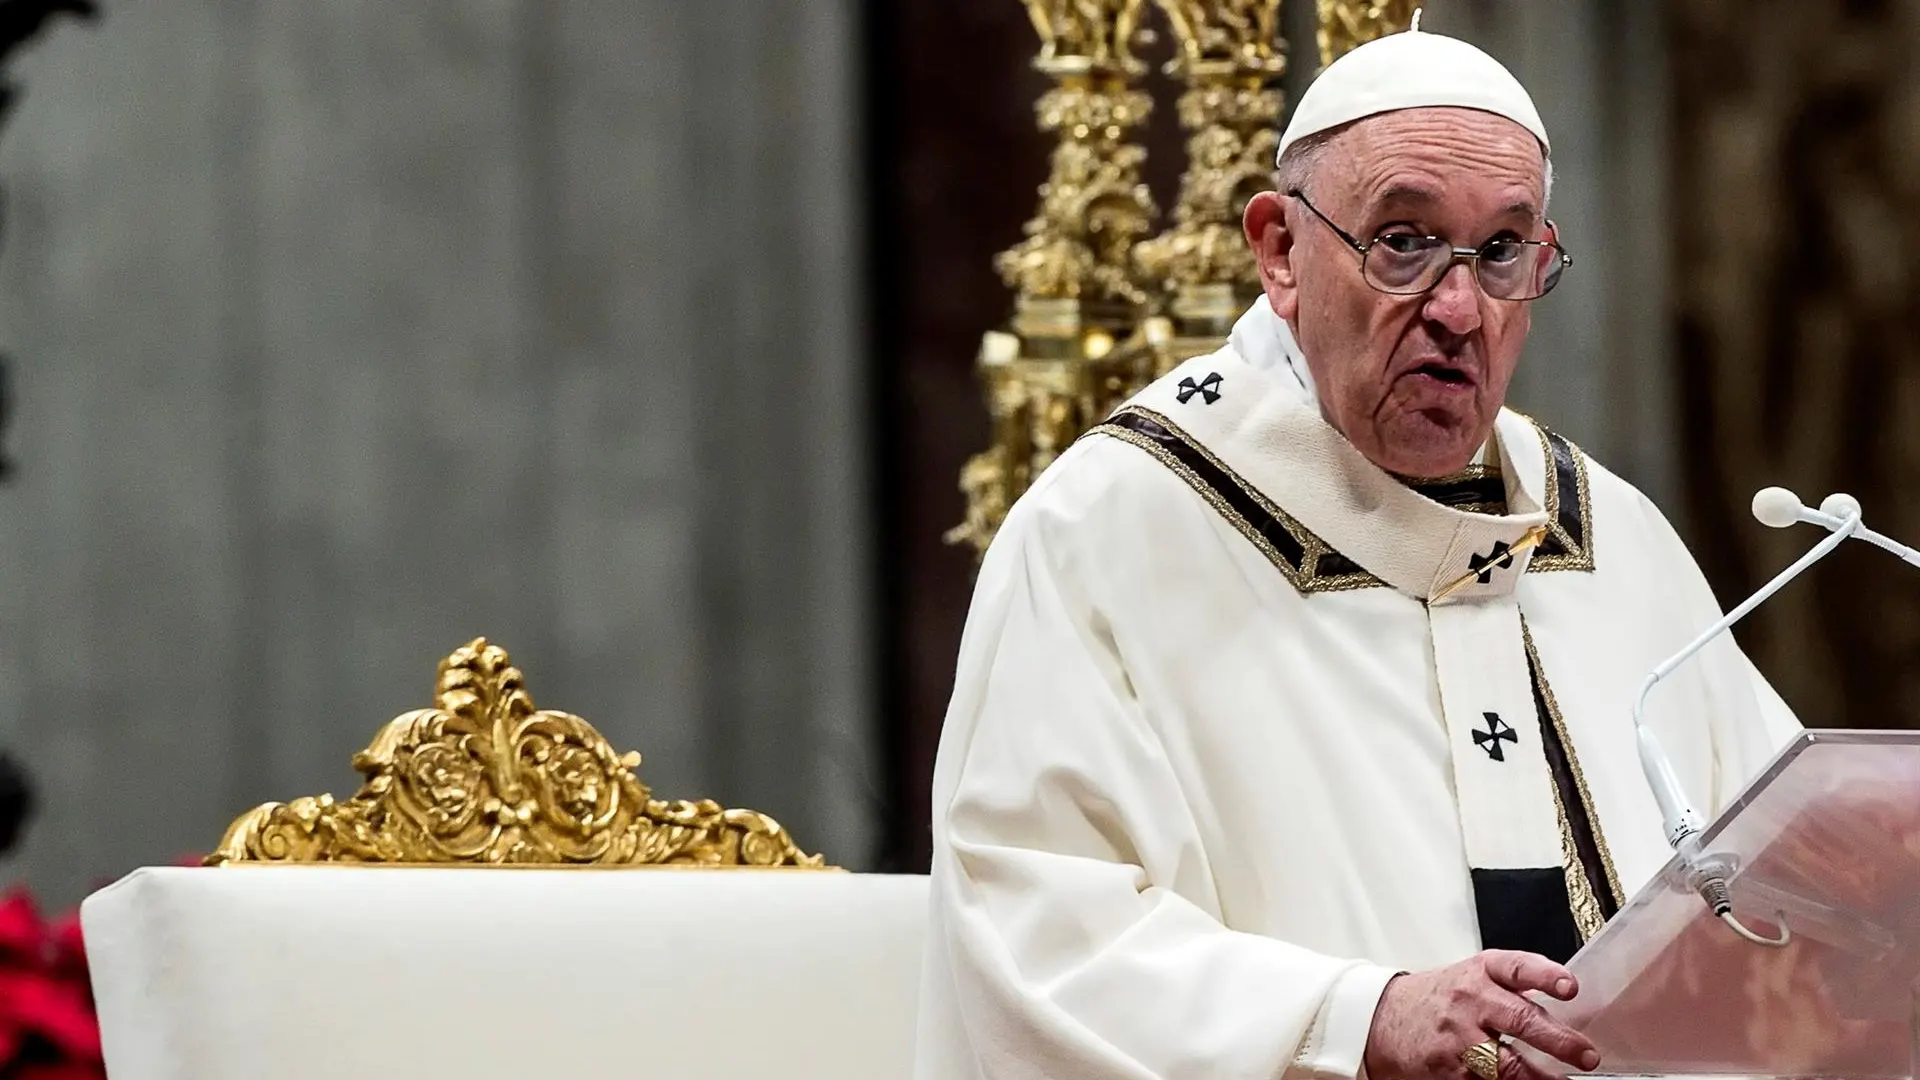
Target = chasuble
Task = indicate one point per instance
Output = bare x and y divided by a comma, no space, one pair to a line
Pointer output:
1244,725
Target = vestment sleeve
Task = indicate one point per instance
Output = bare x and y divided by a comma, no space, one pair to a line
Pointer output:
1072,893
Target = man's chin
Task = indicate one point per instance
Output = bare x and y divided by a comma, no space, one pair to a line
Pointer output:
1423,446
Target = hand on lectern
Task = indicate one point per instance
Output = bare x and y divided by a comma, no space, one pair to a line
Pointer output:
1427,1021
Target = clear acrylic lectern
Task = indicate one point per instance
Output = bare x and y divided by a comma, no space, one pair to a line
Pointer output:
1826,843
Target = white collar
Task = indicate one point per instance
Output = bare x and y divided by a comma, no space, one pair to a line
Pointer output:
1264,340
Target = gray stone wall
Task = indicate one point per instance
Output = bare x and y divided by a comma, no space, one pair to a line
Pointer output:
349,331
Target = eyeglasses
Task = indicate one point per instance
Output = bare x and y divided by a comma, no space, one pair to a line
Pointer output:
1407,264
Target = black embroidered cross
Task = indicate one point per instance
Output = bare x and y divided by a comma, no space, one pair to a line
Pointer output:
1489,740
1208,388
1487,564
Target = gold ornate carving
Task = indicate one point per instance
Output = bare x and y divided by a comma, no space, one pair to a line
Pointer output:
1241,33
1348,24
1055,370
1229,54
1100,31
1093,205
486,779
1100,308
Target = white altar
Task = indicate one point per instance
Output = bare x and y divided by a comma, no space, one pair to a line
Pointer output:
503,898
290,973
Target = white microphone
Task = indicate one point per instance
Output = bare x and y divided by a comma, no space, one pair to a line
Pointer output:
1778,508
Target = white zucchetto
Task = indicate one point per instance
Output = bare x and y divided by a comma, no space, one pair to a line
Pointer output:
1411,70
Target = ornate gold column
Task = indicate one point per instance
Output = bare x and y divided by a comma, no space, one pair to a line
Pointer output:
1051,374
1229,54
1102,310
1346,24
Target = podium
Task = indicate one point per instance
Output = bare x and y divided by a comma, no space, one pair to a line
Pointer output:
1823,849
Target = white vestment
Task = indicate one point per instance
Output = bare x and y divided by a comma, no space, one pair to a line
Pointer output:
1221,760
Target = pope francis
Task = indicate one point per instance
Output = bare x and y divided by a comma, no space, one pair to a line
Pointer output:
1291,732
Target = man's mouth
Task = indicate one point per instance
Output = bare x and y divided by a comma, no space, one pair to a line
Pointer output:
1444,374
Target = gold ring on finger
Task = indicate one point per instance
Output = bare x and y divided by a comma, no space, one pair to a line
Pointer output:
1483,1059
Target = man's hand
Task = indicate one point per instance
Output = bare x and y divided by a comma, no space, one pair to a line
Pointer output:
1426,1020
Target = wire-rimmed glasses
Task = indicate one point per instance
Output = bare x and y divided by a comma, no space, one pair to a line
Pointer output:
1406,263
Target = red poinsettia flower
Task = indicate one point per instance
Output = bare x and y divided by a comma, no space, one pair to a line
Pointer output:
48,1030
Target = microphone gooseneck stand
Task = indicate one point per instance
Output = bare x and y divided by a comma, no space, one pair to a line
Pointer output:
1777,508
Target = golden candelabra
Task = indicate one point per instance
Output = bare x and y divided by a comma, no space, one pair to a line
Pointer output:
1346,24
1101,308
1052,374
1229,54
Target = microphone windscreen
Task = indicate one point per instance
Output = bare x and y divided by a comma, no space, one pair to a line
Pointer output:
1840,505
1776,507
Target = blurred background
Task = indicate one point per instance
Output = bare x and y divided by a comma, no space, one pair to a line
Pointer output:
639,336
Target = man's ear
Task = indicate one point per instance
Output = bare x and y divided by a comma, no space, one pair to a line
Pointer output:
1272,242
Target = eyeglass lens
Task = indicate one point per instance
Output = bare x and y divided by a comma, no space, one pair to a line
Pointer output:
1507,269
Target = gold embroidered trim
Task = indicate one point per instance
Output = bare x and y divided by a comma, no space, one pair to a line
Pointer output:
1579,551
1206,492
1341,582
1574,889
1470,473
1588,918
1306,577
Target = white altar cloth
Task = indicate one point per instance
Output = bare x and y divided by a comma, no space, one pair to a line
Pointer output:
251,973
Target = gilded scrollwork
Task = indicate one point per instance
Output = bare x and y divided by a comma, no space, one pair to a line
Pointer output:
994,477
1242,33
1229,55
1093,207
1103,305
1055,369
484,778
1096,33
986,481
1348,24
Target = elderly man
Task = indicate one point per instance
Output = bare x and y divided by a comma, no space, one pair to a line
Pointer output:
1291,730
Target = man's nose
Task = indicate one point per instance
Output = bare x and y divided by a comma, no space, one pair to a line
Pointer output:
1455,302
